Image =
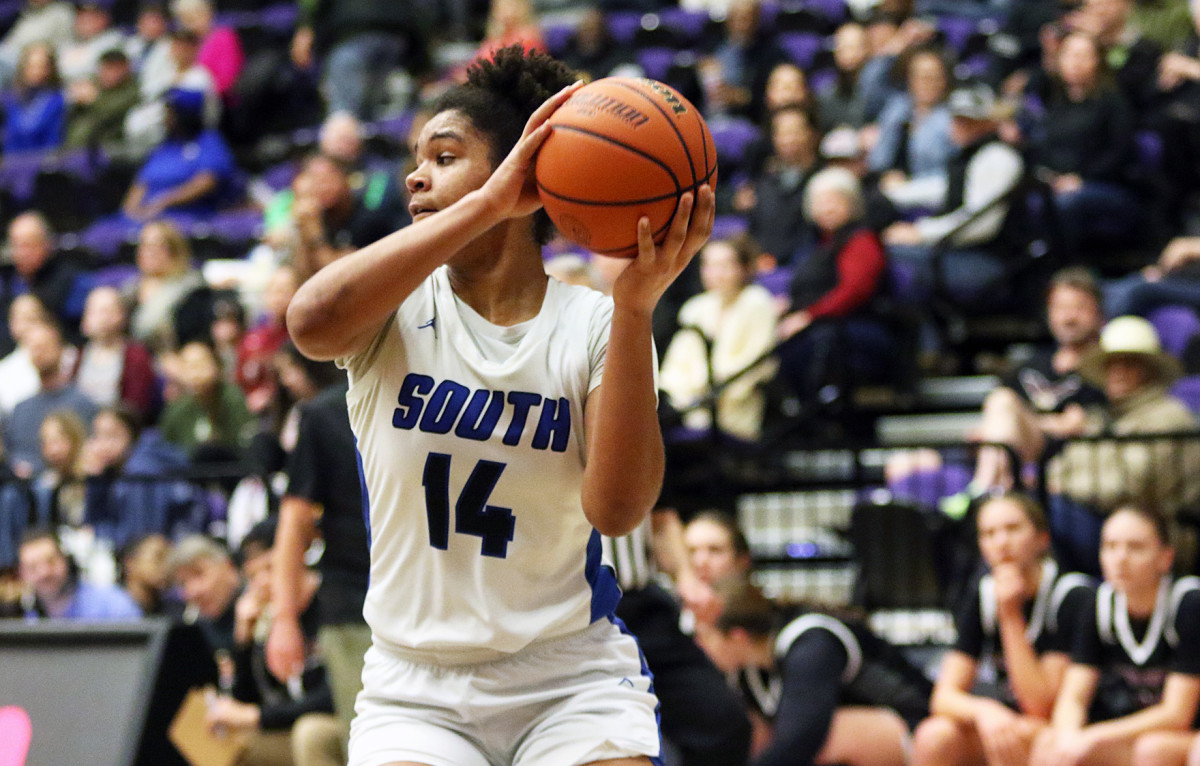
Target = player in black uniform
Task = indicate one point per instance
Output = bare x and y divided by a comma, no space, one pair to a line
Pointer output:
834,691
997,686
1135,663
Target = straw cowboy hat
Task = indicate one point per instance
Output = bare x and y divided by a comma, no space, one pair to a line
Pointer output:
1130,336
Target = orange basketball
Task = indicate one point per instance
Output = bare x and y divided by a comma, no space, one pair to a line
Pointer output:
622,148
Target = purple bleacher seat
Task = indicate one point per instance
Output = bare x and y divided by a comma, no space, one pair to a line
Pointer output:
902,278
726,226
231,226
281,17
801,47
105,237
957,30
18,172
834,10
558,38
1148,149
1187,389
655,62
822,80
777,281
927,487
622,25
688,25
1176,325
280,176
732,135
395,127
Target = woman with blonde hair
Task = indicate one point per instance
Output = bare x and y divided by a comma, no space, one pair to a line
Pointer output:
169,296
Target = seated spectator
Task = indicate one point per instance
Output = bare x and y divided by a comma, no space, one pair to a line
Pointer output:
16,370
1083,144
1087,480
210,412
55,392
94,35
34,109
129,490
190,174
112,368
843,102
257,348
833,690
997,685
891,36
510,22
204,571
36,268
142,566
592,48
226,332
331,220
982,172
914,139
149,48
40,21
220,49
1173,280
735,75
146,124
1044,400
53,588
1130,56
1120,688
829,334
773,198
374,179
722,330
58,487
99,105
259,704
172,305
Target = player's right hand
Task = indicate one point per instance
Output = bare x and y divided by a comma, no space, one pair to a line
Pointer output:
511,187
285,648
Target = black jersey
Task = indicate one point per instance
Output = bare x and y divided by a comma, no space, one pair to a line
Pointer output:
1051,619
1134,656
862,669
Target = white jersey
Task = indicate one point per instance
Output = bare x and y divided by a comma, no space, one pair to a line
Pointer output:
472,475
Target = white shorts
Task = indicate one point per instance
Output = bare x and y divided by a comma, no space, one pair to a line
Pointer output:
566,701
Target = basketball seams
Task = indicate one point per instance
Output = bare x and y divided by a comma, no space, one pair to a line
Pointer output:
670,121
627,202
633,149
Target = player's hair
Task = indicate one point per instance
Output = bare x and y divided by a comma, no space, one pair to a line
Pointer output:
1029,507
745,606
498,98
737,539
1153,516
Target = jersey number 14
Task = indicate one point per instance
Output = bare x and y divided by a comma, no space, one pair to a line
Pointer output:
472,514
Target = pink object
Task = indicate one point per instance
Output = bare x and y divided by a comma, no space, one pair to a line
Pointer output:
221,54
16,732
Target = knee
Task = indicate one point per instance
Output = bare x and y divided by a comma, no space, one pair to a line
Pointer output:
1003,404
318,738
937,741
1154,749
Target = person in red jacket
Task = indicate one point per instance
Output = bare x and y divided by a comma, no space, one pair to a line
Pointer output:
838,281
112,368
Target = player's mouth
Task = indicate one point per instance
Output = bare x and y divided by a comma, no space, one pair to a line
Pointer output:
418,211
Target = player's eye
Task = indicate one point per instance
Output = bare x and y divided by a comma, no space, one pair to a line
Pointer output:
445,158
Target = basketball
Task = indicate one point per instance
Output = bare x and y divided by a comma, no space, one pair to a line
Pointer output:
622,148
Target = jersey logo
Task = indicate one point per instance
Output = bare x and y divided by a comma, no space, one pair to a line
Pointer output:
475,414
431,323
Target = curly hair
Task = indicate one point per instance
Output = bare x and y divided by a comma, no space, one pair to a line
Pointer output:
498,98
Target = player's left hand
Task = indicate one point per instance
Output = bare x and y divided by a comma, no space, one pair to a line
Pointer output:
654,269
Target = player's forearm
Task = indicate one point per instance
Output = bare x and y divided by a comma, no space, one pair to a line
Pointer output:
955,703
1154,718
293,536
625,451
337,311
1034,691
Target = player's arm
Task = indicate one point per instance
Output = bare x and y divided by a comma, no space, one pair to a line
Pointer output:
1034,679
296,531
1075,697
625,455
344,305
1173,713
951,694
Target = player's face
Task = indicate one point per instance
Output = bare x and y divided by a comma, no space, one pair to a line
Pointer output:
1132,557
1007,536
453,158
711,551
1074,315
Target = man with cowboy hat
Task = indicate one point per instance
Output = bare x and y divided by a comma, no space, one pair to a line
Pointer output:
1088,479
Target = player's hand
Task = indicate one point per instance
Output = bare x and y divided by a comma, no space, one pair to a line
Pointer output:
654,269
511,189
1009,587
1061,748
285,648
700,597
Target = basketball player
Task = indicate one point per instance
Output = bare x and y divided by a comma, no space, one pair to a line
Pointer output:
504,421
1135,665
997,686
